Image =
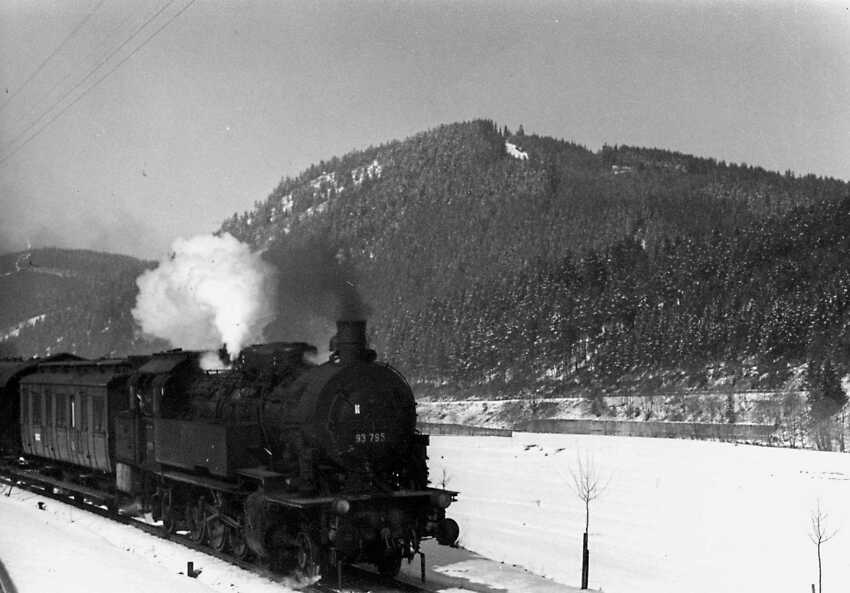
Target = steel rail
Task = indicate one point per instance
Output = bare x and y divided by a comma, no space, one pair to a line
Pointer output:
7,585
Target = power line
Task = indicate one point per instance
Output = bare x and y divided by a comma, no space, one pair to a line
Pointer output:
99,80
101,49
51,56
83,80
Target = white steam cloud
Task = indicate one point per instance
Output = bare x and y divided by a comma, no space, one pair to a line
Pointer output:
211,291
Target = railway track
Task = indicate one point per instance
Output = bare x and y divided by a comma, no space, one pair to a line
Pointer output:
6,583
352,578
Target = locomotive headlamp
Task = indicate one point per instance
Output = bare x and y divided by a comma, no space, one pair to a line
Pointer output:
441,499
341,506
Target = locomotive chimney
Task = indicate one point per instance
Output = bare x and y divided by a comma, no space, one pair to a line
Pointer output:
350,341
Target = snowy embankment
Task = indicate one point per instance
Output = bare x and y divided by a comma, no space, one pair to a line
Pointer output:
677,515
62,548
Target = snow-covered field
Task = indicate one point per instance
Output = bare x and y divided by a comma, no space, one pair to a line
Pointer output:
65,549
677,515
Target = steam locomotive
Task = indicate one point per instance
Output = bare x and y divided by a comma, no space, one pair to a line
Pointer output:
299,465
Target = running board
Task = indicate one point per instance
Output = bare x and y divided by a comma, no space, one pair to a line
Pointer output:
202,481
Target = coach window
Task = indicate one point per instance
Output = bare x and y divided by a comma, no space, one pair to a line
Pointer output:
48,408
61,410
36,409
73,400
25,407
84,409
97,410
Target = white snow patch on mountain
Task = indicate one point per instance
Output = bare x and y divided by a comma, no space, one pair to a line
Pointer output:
373,170
15,330
516,152
286,204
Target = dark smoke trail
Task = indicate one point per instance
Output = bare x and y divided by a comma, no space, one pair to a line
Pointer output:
317,288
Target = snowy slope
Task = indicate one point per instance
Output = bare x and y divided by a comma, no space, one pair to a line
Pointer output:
66,549
683,516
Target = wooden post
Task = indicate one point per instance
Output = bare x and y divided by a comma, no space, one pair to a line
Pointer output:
422,565
585,562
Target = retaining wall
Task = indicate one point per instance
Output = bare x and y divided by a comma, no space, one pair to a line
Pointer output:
459,429
656,429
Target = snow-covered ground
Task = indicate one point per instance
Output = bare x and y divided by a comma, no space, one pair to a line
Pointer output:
677,515
66,549
62,548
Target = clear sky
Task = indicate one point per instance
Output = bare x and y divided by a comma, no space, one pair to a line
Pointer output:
207,116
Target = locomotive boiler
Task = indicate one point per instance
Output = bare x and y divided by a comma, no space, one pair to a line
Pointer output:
301,465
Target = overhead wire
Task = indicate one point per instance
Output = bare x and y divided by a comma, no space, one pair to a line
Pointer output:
147,40
59,48
83,80
101,49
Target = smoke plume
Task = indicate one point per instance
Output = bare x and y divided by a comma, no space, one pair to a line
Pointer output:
212,290
318,286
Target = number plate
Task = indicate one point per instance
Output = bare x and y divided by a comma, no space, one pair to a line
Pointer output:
370,437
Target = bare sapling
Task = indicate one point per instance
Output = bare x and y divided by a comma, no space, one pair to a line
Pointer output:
820,533
588,484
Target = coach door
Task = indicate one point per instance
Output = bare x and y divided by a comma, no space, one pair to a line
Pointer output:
48,438
75,434
99,453
61,431
26,426
83,426
36,421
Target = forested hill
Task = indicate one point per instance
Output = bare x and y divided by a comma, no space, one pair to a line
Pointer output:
62,300
498,262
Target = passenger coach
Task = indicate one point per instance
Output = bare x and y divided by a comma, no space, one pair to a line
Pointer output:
67,409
